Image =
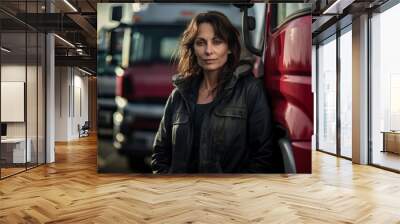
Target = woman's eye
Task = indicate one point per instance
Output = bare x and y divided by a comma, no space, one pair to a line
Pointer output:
218,41
199,43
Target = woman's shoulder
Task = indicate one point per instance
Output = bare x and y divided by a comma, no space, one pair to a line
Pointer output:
174,96
172,102
249,82
244,74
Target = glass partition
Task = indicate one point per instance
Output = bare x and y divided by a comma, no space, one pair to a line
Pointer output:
31,97
22,90
14,146
41,109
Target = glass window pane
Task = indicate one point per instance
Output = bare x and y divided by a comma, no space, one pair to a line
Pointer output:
385,89
346,94
327,96
168,47
150,43
286,10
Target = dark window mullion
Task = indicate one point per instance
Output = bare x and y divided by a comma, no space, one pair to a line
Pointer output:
338,96
316,97
369,78
46,3
26,86
37,91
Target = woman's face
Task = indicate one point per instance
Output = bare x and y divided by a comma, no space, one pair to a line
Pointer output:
211,51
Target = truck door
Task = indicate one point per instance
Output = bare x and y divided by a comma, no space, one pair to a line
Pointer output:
287,66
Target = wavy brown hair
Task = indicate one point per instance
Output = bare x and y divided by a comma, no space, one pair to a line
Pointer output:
223,29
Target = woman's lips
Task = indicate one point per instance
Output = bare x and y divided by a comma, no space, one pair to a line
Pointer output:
209,61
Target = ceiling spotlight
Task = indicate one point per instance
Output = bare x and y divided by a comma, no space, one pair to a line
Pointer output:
84,71
337,7
5,50
64,40
70,5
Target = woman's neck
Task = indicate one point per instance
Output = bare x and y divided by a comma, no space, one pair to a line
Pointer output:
210,79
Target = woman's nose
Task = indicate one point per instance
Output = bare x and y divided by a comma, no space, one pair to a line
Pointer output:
209,49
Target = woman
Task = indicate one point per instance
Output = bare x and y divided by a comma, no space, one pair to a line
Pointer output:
216,120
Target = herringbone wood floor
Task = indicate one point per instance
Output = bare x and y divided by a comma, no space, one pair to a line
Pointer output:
71,191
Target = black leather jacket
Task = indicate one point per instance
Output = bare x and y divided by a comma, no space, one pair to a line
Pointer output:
236,135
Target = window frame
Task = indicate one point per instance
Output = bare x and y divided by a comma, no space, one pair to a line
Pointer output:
299,13
333,37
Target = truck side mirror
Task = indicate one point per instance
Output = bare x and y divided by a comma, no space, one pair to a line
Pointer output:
251,23
248,25
116,13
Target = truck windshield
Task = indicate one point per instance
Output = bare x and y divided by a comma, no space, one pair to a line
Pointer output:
154,43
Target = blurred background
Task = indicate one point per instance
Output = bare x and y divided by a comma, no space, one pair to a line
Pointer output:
136,47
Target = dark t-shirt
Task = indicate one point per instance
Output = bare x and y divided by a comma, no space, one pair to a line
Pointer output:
199,111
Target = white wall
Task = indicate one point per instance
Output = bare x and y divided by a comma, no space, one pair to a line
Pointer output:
61,103
10,73
71,94
80,96
82,83
13,101
13,72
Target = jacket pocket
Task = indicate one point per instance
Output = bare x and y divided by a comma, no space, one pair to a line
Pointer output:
230,129
233,112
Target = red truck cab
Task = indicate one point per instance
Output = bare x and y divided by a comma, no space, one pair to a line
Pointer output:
285,56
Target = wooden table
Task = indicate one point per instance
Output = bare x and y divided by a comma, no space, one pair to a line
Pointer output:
391,141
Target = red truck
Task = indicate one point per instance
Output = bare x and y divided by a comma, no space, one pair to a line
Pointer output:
288,76
284,63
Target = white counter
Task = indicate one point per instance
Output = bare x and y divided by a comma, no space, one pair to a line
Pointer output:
18,145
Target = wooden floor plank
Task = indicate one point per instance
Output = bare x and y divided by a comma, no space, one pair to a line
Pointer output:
71,191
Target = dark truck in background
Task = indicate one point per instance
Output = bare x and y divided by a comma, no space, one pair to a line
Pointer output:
108,59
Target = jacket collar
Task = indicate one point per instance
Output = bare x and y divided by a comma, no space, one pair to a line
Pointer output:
186,86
